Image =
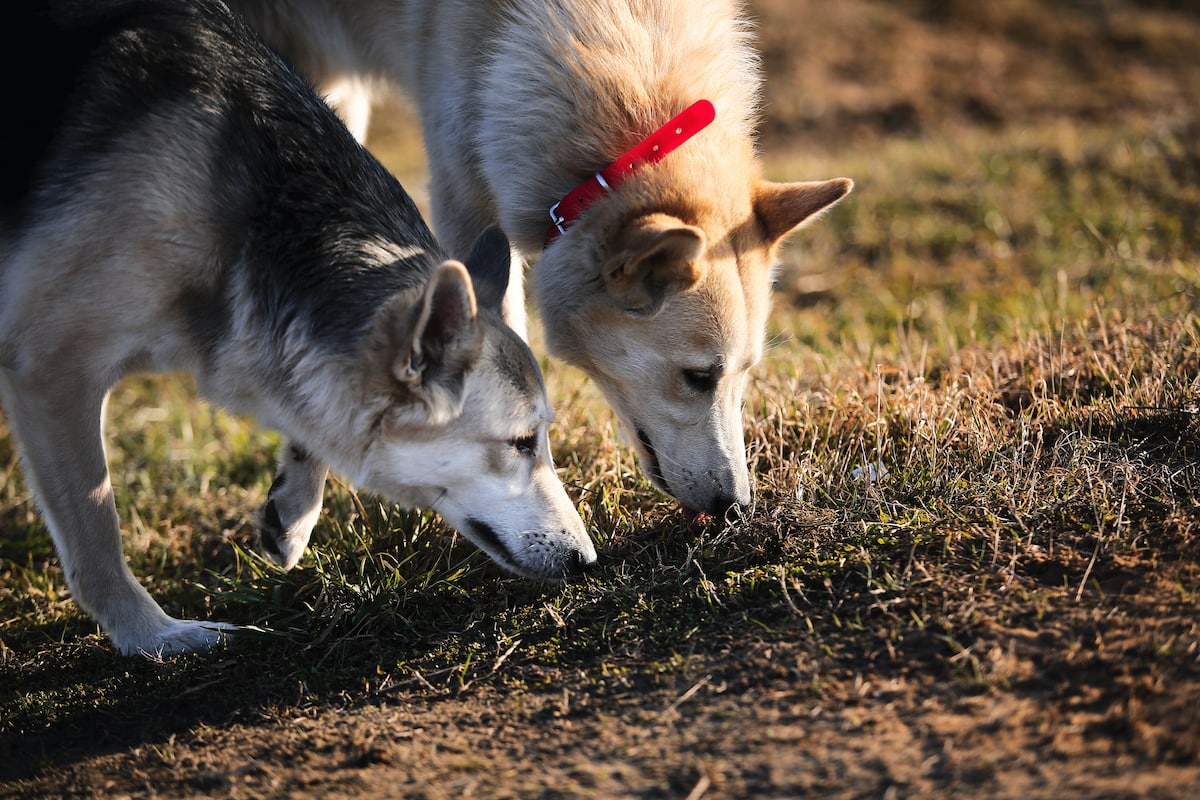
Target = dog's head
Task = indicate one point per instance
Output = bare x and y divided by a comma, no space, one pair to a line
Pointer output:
666,311
464,427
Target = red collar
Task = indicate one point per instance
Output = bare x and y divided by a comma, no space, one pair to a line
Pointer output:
652,149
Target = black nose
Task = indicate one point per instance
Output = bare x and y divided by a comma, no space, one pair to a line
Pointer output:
723,504
578,564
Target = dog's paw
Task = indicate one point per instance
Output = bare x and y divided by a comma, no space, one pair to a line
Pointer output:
287,519
178,637
281,542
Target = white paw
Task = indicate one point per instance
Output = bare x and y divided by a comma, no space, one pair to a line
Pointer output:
178,637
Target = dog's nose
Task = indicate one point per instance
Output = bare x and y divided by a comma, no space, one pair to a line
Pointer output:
722,504
579,563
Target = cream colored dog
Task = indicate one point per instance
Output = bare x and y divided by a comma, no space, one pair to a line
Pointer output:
659,287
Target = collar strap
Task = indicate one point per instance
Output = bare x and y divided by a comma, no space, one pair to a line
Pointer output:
650,150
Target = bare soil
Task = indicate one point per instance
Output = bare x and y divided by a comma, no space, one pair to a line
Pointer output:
1019,691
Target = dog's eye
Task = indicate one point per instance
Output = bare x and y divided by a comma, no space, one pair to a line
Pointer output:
525,445
700,380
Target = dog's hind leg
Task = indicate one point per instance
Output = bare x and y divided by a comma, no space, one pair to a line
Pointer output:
60,431
293,505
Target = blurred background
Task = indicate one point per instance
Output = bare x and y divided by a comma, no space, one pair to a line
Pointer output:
855,71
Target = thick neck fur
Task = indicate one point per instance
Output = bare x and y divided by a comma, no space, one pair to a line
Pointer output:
629,69
318,246
312,238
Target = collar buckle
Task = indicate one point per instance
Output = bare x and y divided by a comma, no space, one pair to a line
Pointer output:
650,150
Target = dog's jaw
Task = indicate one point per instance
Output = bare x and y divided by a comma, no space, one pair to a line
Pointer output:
558,563
698,519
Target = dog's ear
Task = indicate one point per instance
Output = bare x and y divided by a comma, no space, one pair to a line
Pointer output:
427,339
444,337
490,265
656,256
783,207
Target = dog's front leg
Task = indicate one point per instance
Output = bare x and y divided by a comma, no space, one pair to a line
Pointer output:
513,310
293,505
60,433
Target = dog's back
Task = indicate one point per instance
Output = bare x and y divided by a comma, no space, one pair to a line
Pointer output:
169,120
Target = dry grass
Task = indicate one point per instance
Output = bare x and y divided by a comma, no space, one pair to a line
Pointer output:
972,567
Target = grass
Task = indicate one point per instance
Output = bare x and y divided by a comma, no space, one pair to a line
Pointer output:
979,417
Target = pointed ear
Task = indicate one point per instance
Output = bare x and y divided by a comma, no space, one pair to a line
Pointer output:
443,340
783,207
655,256
490,265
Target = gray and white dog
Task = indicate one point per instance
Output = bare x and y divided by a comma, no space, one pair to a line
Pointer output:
177,198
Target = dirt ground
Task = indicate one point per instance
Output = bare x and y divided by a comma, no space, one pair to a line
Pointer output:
1067,700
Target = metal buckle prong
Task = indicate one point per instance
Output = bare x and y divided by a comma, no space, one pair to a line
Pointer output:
557,219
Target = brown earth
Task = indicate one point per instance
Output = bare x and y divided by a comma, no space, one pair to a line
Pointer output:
1047,698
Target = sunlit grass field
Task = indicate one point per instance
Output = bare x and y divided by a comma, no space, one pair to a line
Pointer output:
979,412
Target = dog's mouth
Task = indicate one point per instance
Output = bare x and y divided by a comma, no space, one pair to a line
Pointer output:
653,467
697,520
488,540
